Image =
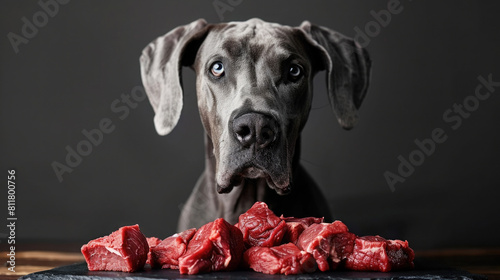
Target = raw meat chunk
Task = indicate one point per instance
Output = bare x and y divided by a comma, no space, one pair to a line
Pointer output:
342,247
400,254
378,254
293,231
295,226
284,259
307,221
216,246
123,250
261,227
167,253
152,242
317,239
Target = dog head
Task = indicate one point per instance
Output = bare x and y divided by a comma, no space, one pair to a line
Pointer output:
254,89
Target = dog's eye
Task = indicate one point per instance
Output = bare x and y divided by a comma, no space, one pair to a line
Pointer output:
217,69
295,72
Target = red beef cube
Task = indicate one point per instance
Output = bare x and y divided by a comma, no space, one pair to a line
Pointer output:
374,253
307,221
123,250
295,226
400,254
342,248
293,231
167,253
152,242
216,246
261,227
317,239
284,259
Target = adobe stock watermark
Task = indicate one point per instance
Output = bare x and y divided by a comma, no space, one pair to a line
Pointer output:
382,18
92,138
12,218
454,117
39,19
222,6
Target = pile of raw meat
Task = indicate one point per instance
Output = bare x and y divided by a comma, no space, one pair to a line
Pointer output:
260,240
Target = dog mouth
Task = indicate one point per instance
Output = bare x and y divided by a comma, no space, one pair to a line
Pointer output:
253,173
256,150
278,182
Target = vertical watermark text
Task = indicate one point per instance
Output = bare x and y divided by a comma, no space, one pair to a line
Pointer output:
11,219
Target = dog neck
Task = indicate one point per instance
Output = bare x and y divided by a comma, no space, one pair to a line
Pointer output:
205,204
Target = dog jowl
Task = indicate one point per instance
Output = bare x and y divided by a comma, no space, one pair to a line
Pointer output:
254,90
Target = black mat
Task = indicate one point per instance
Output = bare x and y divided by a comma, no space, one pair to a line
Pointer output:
79,271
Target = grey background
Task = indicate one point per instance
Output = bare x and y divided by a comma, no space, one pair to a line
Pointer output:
425,60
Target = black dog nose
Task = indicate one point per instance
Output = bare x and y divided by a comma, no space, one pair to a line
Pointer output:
256,128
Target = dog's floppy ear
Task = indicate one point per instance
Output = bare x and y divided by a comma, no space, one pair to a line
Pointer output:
161,62
348,70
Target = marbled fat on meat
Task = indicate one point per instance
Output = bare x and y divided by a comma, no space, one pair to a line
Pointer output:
307,221
293,231
295,227
284,259
167,253
261,227
123,250
317,240
152,242
216,246
342,247
374,253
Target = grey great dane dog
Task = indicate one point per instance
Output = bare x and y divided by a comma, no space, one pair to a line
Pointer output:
254,92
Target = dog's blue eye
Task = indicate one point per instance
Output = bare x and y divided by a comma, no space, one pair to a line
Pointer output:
217,69
295,71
